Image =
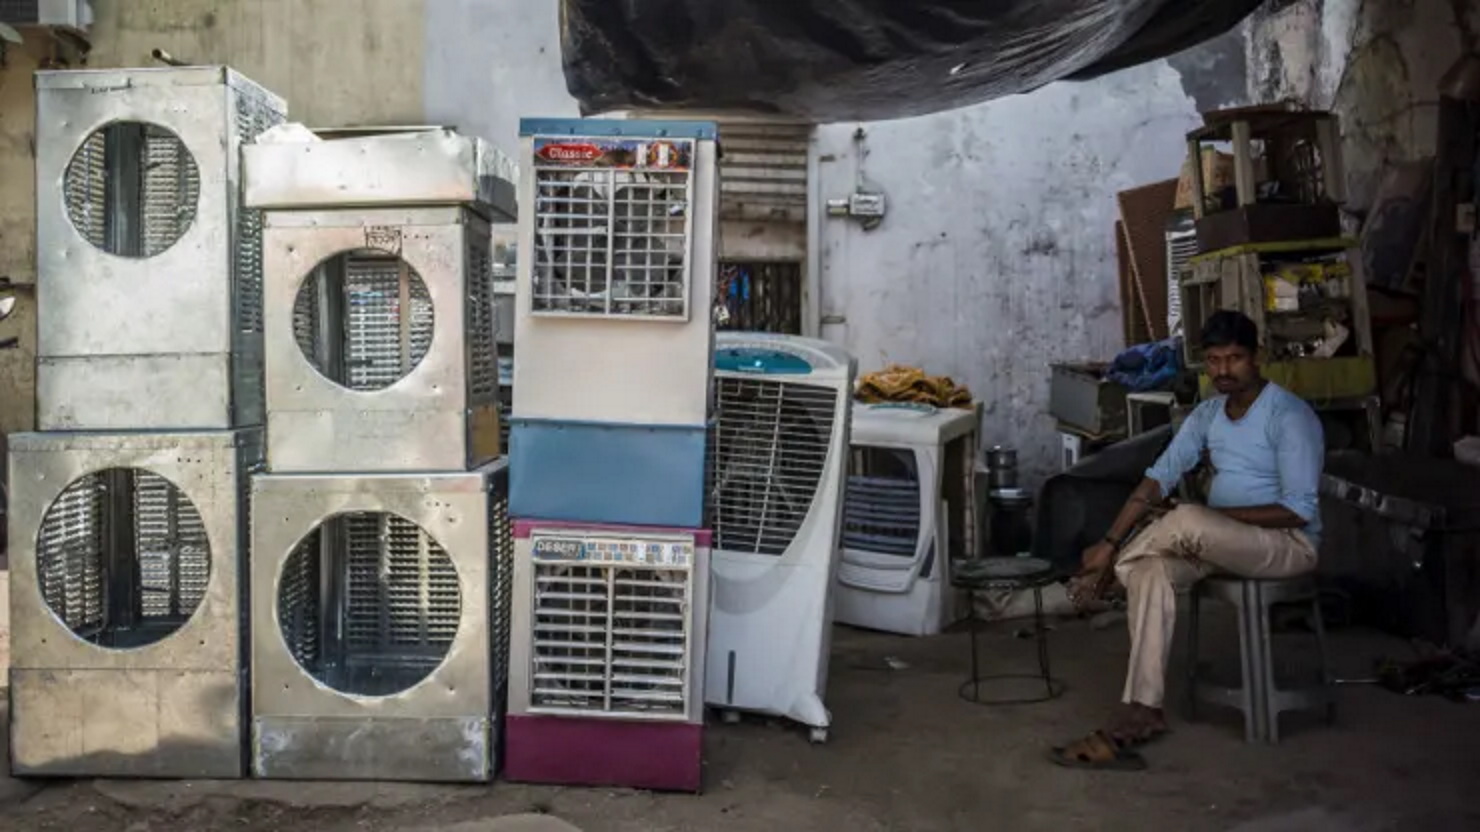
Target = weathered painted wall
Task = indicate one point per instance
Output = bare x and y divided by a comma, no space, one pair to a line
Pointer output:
997,257
336,61
1376,64
17,232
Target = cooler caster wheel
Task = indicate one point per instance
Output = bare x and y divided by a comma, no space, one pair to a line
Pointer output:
818,736
729,717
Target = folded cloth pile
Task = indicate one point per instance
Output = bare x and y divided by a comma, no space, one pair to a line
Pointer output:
898,383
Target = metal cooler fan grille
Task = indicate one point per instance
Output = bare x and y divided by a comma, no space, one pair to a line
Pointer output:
171,186
132,189
369,603
403,603
253,115
299,610
69,556
174,555
482,339
881,506
612,243
373,323
500,582
123,558
377,340
772,439
610,640
85,189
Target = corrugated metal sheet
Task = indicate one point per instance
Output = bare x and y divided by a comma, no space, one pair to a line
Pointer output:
763,173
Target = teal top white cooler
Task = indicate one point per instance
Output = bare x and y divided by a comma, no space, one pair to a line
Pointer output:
780,447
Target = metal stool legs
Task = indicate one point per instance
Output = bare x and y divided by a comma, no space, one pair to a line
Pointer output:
970,690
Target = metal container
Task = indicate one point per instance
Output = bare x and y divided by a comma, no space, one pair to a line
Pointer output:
606,682
127,636
1081,397
617,247
149,271
1002,467
425,166
384,359
1401,538
380,625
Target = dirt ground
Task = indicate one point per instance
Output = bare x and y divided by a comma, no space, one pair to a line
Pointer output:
907,754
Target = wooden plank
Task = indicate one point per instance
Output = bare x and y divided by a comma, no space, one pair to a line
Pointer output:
1140,330
1329,244
1243,164
1199,197
1144,213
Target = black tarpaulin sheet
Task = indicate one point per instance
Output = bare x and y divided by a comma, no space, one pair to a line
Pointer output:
843,60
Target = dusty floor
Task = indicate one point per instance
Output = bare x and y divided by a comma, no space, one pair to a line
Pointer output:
907,754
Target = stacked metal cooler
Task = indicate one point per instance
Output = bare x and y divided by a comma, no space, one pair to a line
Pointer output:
127,511
612,378
381,547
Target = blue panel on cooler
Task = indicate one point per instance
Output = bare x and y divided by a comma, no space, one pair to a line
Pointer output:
595,472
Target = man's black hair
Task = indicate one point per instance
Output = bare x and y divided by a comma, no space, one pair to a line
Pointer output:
1227,328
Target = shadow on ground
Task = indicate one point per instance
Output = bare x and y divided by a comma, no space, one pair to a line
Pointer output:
907,754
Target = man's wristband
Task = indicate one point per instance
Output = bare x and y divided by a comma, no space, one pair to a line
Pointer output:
1115,543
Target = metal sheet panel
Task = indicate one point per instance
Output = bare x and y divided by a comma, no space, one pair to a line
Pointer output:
432,418
168,708
208,467
565,470
452,707
429,167
325,748
93,303
180,391
763,173
126,723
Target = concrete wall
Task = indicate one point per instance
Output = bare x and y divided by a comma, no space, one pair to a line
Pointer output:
1376,64
998,254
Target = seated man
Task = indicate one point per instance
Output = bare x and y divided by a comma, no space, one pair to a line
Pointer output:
1266,448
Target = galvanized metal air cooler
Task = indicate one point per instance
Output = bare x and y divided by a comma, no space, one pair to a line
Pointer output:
380,320
380,624
613,332
149,268
606,671
127,640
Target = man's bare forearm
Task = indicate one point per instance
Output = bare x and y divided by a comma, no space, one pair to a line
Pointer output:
1269,517
1146,495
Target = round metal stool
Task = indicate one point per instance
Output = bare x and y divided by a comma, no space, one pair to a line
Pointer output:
1014,574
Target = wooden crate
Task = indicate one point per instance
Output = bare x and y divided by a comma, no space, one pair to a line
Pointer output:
1234,279
1298,152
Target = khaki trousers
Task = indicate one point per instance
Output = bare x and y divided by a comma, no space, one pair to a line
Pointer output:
1174,553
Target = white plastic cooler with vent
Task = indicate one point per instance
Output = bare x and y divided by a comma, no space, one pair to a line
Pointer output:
908,514
780,454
